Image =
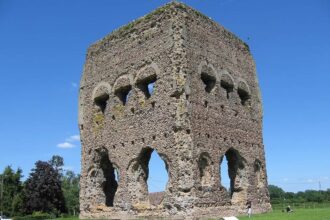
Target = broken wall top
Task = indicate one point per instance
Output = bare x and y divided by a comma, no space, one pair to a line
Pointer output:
142,29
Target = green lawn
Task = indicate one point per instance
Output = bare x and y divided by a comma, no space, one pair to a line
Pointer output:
298,214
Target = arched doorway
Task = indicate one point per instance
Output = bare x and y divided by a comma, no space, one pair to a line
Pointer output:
236,174
158,173
108,176
148,176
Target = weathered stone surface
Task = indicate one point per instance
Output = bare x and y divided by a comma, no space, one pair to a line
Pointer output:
205,105
156,198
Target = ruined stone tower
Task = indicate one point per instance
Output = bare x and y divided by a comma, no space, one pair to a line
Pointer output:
205,105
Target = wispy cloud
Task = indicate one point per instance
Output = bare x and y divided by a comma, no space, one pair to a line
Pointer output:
73,138
317,180
74,85
69,142
65,145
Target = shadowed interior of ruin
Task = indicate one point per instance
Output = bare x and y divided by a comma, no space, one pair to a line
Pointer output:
235,164
122,93
243,93
227,84
109,184
101,102
145,85
208,80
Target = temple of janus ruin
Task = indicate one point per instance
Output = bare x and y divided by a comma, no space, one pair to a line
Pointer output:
205,105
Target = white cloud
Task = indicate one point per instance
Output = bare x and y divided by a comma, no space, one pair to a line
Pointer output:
69,142
65,145
73,138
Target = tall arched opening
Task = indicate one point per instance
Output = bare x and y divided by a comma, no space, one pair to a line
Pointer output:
148,177
110,177
236,174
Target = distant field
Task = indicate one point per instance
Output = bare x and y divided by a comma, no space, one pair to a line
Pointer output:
299,214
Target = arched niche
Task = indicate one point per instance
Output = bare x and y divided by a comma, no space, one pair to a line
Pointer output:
244,94
102,176
208,76
101,95
205,166
237,173
146,78
226,84
122,88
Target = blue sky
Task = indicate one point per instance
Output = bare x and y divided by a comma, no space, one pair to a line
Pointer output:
42,52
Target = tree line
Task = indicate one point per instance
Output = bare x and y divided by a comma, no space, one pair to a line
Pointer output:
48,189
278,196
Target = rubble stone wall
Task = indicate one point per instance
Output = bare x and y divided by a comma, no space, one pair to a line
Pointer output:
205,105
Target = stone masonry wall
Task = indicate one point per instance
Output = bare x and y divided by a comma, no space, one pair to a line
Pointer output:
205,106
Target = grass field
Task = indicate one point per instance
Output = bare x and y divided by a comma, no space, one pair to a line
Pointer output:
299,214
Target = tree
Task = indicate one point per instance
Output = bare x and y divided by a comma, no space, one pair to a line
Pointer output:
327,195
56,162
289,196
300,197
275,192
12,191
70,185
43,190
314,196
